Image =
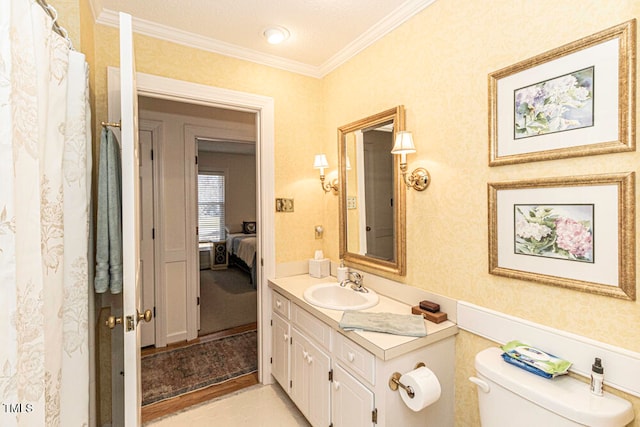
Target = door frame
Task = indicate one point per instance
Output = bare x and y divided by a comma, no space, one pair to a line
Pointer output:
155,127
152,86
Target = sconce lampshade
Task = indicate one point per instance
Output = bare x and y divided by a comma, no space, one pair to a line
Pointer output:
320,162
404,143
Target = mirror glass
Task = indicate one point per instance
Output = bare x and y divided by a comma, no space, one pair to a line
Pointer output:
372,211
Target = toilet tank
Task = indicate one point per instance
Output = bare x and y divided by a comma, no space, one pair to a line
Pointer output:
508,395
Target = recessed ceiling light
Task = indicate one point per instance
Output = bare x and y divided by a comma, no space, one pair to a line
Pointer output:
276,35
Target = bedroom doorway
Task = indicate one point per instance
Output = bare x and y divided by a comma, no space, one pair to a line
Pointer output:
225,184
226,208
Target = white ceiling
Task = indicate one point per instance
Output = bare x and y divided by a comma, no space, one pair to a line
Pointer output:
324,33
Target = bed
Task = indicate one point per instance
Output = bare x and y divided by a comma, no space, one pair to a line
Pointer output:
241,248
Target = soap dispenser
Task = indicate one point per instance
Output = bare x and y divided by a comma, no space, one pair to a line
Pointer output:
597,377
342,273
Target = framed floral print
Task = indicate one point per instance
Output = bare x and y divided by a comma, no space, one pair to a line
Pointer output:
573,232
576,100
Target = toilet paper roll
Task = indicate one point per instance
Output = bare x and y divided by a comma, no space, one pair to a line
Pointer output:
424,384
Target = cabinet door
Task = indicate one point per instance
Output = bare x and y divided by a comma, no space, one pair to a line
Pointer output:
280,336
299,385
319,364
310,386
352,402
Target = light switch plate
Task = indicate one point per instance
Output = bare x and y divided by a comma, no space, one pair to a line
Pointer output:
351,202
284,205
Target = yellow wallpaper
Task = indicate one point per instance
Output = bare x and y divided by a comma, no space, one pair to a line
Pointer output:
436,64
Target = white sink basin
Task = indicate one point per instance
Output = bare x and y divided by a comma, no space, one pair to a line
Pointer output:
331,295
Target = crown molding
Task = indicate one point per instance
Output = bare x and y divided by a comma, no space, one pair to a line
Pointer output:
375,33
185,38
386,25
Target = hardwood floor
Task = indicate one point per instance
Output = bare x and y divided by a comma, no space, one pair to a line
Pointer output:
170,406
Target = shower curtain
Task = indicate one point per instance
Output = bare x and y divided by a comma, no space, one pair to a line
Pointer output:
45,168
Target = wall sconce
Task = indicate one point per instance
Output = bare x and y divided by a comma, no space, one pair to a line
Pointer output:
321,163
419,178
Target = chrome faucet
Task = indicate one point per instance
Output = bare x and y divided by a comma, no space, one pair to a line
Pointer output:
356,280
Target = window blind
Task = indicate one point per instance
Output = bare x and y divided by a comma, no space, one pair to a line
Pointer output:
211,206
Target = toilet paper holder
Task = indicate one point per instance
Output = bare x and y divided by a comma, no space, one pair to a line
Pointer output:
394,382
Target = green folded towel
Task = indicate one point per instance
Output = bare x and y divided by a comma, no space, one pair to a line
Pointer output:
391,323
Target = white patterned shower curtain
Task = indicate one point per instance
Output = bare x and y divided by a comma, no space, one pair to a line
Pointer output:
45,184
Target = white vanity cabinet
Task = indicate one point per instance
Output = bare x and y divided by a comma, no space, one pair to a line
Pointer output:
341,380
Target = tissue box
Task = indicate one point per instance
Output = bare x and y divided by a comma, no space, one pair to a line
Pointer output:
319,268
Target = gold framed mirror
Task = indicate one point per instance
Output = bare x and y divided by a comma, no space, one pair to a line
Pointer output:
372,197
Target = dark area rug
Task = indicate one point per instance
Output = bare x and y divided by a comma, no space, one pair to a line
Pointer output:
175,372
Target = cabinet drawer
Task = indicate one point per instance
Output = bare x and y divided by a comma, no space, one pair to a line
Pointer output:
312,326
280,304
355,358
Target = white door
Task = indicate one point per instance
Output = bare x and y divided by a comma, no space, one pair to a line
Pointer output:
127,114
378,163
147,233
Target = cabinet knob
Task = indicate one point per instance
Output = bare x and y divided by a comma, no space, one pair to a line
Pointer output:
351,356
305,354
336,385
278,304
286,337
309,360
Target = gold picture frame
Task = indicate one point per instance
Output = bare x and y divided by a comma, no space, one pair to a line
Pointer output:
571,232
593,114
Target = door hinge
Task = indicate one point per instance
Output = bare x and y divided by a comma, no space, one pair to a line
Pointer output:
198,300
331,376
374,416
261,262
197,231
152,155
290,383
291,340
154,312
271,322
271,360
153,233
196,160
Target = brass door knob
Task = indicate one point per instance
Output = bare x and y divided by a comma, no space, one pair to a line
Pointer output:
112,321
146,316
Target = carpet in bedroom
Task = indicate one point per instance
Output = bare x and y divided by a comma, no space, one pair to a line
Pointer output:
172,373
227,300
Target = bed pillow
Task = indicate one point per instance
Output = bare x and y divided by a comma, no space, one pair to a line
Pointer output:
249,227
233,228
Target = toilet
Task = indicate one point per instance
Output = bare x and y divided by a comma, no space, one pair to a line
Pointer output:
508,395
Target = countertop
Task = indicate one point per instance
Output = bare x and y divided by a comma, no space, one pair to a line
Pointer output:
384,346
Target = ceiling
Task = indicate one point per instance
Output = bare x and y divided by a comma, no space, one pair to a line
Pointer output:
324,33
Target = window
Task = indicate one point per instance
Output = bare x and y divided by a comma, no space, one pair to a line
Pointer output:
211,206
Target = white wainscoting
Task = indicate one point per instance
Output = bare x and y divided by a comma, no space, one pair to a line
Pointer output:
621,366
